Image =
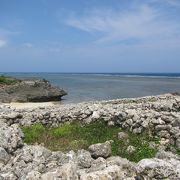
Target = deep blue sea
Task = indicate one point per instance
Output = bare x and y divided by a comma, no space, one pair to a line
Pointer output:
106,86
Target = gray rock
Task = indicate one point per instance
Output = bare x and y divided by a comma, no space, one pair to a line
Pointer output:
111,172
178,143
138,130
95,115
4,157
9,176
145,123
129,122
35,153
123,163
131,149
111,123
65,172
163,127
158,121
123,136
33,175
10,137
12,115
84,159
100,150
168,156
59,157
98,164
157,169
31,91
163,134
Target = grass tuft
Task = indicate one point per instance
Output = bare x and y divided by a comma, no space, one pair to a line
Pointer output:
76,136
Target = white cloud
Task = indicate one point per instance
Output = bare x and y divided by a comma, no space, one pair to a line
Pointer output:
3,43
142,23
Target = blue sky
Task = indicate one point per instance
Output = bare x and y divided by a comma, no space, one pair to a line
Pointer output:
90,36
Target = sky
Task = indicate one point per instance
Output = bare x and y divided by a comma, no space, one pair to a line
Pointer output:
90,36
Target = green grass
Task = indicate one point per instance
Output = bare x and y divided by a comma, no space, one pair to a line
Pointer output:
76,136
8,80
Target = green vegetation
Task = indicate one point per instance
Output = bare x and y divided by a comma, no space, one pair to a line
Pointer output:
76,136
8,80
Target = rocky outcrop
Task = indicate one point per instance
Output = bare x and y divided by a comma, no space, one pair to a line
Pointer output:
156,115
30,91
100,150
34,162
165,166
159,116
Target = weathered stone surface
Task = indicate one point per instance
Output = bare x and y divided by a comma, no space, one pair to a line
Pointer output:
111,172
138,130
158,169
158,116
65,172
10,137
12,115
127,166
123,136
178,143
4,156
33,175
98,164
100,150
31,91
84,159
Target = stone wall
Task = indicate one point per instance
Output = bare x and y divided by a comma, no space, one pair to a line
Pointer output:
158,116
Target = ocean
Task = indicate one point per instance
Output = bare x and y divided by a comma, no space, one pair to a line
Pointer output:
106,86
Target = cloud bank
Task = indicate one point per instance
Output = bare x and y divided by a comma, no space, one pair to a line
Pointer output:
126,36
138,24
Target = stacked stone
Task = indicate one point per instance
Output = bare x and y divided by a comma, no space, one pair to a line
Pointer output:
33,162
157,115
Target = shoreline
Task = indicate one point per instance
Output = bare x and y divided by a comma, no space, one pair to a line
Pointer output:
27,105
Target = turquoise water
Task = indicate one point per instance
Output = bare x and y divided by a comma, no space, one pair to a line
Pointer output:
89,87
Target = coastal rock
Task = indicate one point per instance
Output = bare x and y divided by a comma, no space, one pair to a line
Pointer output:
124,164
4,156
158,169
12,115
33,175
152,114
8,176
10,137
30,91
65,172
98,164
100,150
95,115
84,159
111,172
